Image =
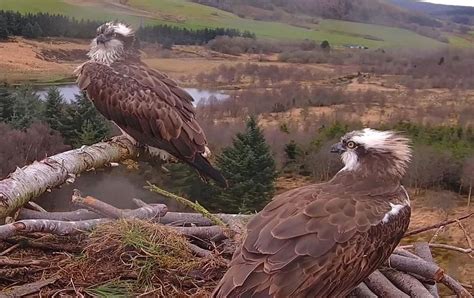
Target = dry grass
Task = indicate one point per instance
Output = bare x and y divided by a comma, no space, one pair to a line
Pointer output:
141,257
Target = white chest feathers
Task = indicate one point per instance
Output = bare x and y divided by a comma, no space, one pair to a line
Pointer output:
394,211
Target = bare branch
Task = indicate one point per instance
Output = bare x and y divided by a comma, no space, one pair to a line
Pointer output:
73,227
455,286
4,261
420,267
435,226
443,246
97,206
31,181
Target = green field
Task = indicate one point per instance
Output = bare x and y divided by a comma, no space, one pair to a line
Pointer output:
191,15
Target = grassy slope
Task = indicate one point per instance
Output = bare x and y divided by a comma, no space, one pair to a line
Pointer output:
192,15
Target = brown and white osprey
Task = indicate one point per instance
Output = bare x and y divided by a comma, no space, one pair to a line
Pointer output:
322,240
147,105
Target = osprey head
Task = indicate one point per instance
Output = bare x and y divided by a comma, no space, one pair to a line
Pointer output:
374,152
113,40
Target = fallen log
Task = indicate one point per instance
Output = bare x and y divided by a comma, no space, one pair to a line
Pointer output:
31,181
407,283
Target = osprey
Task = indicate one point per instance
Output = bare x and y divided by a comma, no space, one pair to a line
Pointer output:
322,240
147,105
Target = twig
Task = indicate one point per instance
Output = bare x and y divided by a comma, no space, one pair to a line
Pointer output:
6,251
4,261
456,287
27,242
80,214
27,289
195,206
466,234
443,246
36,206
431,227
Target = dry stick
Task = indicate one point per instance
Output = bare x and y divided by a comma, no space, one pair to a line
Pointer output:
401,250
200,252
213,233
27,289
422,249
427,270
466,234
420,267
443,246
97,206
363,291
382,287
431,227
455,286
36,206
6,251
169,218
77,215
406,283
4,261
73,227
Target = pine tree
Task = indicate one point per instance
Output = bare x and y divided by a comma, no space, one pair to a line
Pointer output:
249,168
6,104
27,31
3,28
27,107
36,31
83,123
54,109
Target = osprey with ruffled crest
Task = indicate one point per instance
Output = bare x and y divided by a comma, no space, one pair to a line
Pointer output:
146,104
322,240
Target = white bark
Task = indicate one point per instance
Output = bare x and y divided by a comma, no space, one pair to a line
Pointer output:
31,181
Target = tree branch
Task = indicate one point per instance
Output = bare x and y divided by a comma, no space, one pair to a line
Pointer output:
422,249
73,227
435,226
382,287
31,181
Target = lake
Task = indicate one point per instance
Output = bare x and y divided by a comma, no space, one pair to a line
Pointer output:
69,92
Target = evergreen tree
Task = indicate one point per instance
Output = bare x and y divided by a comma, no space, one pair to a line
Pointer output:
3,28
36,31
27,107
6,104
249,168
54,109
27,31
83,123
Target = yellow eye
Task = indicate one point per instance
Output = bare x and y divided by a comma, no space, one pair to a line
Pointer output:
351,145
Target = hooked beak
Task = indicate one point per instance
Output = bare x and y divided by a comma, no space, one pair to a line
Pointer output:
338,148
101,39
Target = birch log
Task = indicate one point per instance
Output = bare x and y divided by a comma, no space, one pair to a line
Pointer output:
31,181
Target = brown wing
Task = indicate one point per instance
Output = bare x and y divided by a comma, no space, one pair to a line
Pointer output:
315,241
149,107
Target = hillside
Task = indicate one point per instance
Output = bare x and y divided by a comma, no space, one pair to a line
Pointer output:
457,14
193,15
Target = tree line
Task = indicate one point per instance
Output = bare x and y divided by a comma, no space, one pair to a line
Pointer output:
55,25
39,128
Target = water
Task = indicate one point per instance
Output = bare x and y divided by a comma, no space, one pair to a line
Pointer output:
69,92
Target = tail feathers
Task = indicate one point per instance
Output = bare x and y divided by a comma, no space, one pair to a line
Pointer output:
204,167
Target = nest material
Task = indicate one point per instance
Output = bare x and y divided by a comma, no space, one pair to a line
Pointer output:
148,258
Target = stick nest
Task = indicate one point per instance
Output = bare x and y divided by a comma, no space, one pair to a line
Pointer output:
148,258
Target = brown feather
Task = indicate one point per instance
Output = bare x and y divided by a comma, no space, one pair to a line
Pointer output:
317,241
